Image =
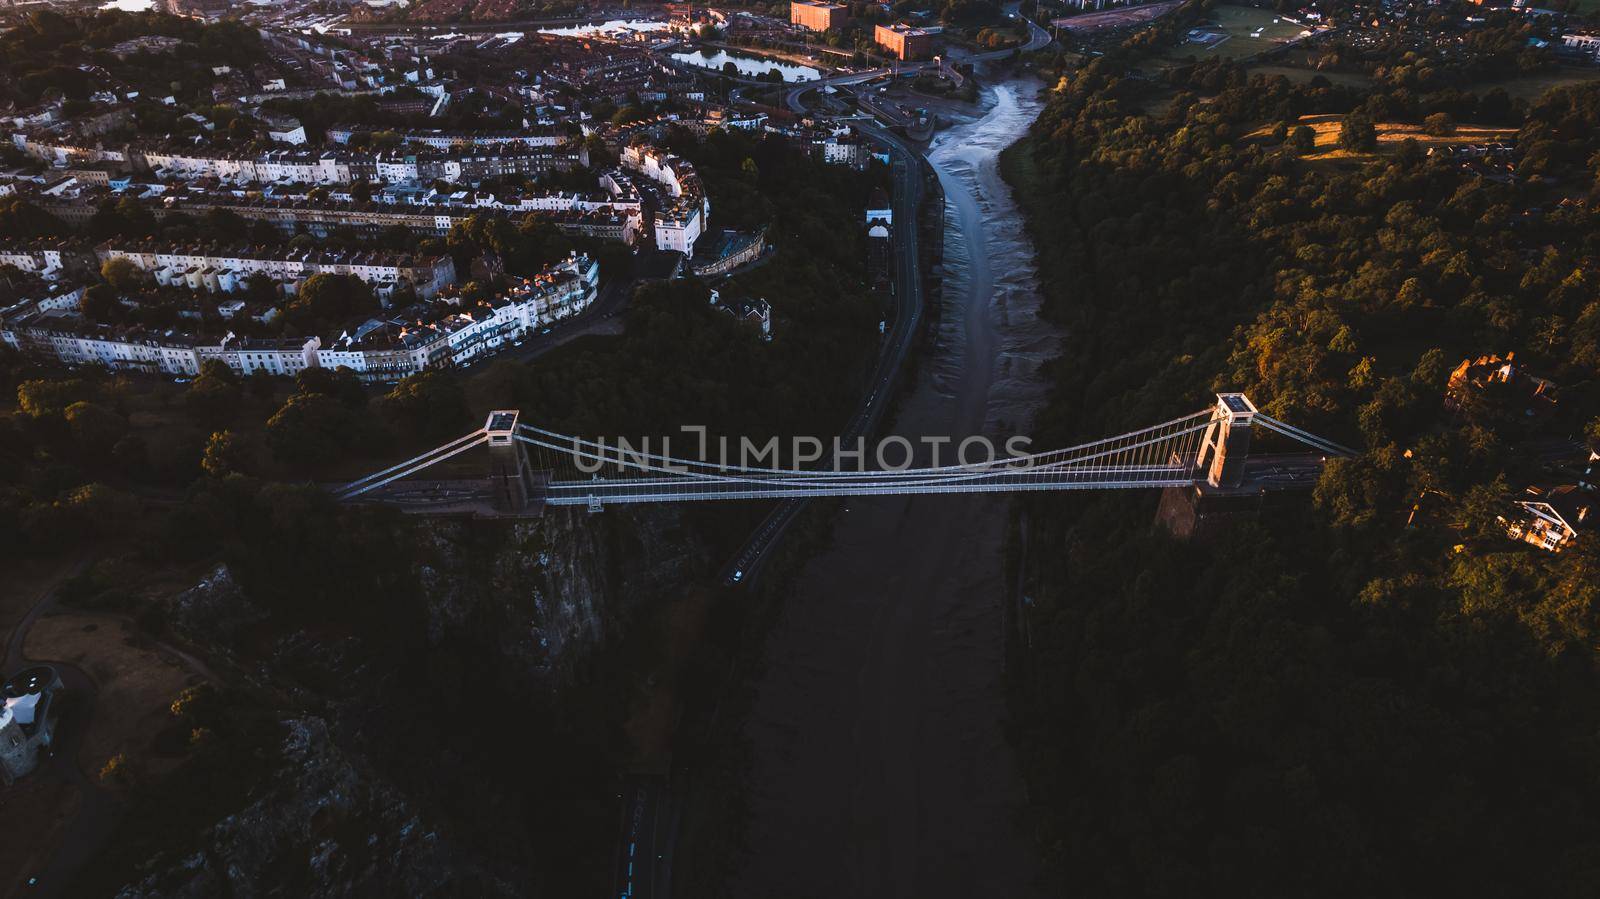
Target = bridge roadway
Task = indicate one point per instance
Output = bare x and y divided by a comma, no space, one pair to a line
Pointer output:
1292,471
654,490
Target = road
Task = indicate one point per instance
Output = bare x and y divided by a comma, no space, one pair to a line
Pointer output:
639,858
908,307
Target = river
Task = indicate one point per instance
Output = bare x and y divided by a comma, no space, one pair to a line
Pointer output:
748,64
880,766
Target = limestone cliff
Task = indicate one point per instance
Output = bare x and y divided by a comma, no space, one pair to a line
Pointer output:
324,827
418,747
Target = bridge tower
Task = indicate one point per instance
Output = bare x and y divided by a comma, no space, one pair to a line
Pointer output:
1228,440
1220,494
511,478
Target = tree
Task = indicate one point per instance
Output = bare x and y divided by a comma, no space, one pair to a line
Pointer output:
45,399
101,510
227,453
214,395
122,274
1357,133
95,429
328,300
116,771
1303,140
197,706
426,406
1440,124
339,383
310,431
99,304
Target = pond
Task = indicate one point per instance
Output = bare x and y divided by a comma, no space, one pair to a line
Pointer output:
748,65
612,28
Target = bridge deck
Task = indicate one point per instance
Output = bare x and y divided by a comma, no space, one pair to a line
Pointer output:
573,493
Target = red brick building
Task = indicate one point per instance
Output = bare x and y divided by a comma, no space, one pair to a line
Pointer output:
906,41
818,16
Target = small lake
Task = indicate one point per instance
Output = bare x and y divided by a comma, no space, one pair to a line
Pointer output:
748,65
612,28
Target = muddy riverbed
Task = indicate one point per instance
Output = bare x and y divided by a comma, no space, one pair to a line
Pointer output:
880,765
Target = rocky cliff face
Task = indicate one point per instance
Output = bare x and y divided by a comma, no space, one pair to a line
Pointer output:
539,595
324,827
419,760
548,591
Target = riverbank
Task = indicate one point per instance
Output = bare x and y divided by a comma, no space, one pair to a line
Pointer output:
877,737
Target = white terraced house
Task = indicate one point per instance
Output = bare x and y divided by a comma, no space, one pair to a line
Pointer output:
204,267
679,223
380,350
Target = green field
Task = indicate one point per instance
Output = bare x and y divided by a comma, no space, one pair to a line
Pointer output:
1533,87
1249,31
1300,75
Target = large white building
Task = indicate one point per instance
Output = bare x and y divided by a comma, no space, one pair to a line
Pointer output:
27,720
681,218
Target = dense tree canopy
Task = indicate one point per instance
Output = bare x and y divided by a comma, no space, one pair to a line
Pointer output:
1370,691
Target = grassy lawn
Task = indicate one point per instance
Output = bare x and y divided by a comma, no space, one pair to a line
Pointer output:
1533,87
1245,30
1301,75
136,685
1390,136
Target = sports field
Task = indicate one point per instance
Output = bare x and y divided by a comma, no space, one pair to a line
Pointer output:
1238,31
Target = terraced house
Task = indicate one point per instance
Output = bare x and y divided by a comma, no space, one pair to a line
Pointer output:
224,269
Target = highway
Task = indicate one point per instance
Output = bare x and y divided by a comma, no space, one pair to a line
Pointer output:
908,306
640,857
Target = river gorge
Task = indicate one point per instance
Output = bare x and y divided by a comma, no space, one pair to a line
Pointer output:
880,762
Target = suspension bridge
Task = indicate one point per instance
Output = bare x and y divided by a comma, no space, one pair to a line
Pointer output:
531,468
